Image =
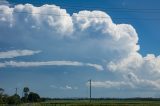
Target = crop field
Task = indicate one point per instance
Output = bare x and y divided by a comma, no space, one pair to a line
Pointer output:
102,103
93,103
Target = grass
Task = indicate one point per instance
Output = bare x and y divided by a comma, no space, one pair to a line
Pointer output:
93,103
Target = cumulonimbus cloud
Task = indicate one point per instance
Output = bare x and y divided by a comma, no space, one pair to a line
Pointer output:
86,34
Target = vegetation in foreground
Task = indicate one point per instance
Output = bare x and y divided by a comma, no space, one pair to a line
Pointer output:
33,99
16,99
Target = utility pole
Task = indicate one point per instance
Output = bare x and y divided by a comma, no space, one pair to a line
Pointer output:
16,91
90,90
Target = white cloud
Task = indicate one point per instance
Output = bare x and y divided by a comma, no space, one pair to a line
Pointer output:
86,34
141,72
143,83
130,63
53,86
108,84
66,87
49,63
83,28
120,37
131,82
96,66
151,63
46,23
17,53
2,65
4,2
75,87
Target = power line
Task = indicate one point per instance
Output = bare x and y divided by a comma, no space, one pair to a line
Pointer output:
60,15
115,9
90,90
78,6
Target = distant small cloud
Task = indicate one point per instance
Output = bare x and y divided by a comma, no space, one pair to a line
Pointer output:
17,53
75,88
53,86
68,87
96,66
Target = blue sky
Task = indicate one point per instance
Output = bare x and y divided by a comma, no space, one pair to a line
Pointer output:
55,49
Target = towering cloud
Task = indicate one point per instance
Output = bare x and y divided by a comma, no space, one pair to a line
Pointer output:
86,35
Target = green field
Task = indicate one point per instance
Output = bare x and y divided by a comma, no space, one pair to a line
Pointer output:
93,103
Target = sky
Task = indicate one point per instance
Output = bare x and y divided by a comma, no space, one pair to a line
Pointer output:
55,46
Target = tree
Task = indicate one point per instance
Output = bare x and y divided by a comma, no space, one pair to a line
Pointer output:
1,90
15,99
5,98
1,95
26,91
33,97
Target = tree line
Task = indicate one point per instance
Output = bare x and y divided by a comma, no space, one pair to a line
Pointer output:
16,99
